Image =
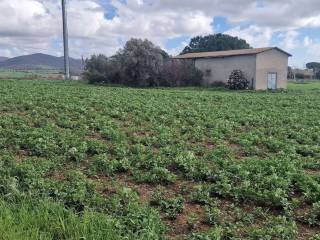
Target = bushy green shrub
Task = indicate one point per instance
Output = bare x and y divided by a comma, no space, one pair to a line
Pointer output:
108,167
156,175
96,68
237,80
201,195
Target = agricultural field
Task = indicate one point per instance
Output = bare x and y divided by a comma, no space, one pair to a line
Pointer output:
29,74
94,162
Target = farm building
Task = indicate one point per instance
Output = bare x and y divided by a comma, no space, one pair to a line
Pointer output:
265,68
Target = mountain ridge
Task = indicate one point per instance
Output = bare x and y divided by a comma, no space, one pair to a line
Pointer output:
40,61
3,58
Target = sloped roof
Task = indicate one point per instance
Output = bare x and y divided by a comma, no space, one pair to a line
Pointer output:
217,54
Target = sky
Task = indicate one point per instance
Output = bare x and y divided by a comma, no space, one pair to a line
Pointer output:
103,26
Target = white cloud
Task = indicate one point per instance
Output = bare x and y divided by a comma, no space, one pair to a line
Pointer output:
24,18
290,40
254,35
35,25
312,48
85,18
307,41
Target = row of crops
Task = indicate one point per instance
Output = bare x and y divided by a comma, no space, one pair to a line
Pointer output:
86,162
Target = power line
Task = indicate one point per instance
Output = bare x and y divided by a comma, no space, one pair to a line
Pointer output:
65,40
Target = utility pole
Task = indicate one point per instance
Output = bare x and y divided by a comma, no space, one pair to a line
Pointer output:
65,40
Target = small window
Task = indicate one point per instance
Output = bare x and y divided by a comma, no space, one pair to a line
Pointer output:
208,72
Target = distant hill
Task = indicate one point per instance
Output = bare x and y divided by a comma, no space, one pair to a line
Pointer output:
40,61
3,59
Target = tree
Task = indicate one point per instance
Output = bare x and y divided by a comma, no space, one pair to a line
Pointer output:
216,42
96,68
138,64
101,69
313,65
141,62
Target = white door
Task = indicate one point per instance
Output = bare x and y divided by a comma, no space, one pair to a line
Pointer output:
272,80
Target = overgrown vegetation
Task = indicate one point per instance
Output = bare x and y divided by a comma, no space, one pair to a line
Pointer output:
141,64
87,162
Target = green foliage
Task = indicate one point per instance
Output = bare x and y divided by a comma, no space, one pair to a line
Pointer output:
213,214
275,228
192,221
97,69
216,42
314,216
141,62
170,206
238,81
74,192
213,234
191,167
102,165
156,175
201,195
315,237
136,220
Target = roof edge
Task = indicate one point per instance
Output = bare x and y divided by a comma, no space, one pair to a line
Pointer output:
279,49
183,56
243,54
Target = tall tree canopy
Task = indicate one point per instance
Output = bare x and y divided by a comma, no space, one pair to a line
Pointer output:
141,62
313,65
216,42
